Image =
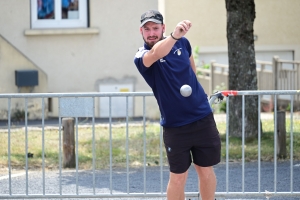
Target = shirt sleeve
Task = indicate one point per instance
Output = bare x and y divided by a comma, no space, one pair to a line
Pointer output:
138,60
188,47
146,72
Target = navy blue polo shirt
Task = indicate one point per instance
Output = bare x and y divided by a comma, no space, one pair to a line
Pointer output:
166,76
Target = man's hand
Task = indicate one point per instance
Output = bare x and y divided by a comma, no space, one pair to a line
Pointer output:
182,28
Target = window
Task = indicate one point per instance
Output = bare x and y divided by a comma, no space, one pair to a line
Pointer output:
58,14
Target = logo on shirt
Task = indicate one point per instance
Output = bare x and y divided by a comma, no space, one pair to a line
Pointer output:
162,60
178,51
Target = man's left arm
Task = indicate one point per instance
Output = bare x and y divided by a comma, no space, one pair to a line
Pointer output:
193,63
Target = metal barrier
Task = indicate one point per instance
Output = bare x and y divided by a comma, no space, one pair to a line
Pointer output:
70,106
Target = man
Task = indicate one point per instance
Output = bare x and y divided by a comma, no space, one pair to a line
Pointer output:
189,130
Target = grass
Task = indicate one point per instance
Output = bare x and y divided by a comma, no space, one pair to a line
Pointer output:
85,147
267,143
135,144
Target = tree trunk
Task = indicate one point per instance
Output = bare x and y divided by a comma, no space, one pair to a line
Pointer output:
242,66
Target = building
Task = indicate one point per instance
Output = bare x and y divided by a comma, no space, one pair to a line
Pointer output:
90,46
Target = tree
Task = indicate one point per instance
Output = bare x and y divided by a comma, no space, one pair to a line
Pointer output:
242,66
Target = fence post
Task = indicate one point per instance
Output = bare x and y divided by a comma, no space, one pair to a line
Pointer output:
275,72
68,143
275,76
281,134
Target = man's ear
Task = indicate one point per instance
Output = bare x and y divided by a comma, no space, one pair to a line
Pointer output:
163,28
141,30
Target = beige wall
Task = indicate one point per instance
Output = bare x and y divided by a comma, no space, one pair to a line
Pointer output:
277,22
11,60
207,16
276,25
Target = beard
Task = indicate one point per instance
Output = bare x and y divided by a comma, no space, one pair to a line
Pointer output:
152,43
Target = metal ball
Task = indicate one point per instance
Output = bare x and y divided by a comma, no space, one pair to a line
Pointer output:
186,90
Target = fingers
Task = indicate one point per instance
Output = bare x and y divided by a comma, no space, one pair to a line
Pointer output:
182,28
185,25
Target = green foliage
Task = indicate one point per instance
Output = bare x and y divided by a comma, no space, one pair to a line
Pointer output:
196,52
18,114
196,55
223,106
205,66
220,87
288,108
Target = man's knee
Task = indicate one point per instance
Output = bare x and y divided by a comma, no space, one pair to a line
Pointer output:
178,179
205,172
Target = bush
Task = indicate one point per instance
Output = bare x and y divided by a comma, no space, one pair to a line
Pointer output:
18,115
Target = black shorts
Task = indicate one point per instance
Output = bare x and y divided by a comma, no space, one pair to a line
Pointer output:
198,142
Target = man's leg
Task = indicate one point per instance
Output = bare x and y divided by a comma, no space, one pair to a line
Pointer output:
176,185
207,182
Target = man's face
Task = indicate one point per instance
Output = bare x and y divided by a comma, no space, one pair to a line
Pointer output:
152,33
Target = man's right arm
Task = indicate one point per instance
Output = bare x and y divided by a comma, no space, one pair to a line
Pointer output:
163,47
159,50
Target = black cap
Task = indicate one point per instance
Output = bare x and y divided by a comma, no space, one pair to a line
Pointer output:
151,16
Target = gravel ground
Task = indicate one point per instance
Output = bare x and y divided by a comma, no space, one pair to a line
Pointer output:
153,180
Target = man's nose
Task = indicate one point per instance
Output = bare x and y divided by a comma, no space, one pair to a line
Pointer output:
152,33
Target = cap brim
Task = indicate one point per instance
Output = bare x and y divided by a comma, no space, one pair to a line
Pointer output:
151,20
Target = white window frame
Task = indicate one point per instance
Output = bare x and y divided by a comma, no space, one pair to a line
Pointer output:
58,22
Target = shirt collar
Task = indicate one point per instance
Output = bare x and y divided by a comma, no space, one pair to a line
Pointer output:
146,46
